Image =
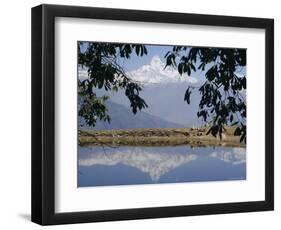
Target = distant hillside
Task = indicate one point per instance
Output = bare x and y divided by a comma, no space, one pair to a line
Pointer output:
123,118
165,101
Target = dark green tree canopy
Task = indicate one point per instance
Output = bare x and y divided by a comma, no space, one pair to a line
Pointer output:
222,101
104,71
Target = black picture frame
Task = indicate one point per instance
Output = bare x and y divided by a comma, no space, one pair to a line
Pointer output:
43,114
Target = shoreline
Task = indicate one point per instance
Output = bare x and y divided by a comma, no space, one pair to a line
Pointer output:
158,137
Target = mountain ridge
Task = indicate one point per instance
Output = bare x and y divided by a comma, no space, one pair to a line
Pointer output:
123,118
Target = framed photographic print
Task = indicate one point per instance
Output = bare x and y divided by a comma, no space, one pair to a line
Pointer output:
142,114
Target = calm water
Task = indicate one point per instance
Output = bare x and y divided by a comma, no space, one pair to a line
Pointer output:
98,166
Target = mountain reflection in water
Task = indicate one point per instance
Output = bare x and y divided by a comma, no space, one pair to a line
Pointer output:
125,165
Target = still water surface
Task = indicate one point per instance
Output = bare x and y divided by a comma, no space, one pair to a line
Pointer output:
126,165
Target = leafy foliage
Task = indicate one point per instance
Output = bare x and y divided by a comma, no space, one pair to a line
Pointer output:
222,102
104,72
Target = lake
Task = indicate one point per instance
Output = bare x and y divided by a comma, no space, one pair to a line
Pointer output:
128,165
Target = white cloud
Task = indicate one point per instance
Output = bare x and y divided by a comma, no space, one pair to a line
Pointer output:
154,73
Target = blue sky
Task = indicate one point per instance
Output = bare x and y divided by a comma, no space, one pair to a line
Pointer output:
150,67
135,62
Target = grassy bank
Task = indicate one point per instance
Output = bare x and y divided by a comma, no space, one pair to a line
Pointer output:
158,137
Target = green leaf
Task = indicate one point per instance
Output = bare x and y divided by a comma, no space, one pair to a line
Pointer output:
187,95
168,61
144,50
237,131
180,68
243,137
167,54
209,131
192,67
188,70
137,50
141,49
215,130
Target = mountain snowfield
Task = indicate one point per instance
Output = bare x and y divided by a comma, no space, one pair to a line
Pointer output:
152,73
156,73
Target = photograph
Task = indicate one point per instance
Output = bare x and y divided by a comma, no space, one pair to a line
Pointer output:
142,114
153,113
